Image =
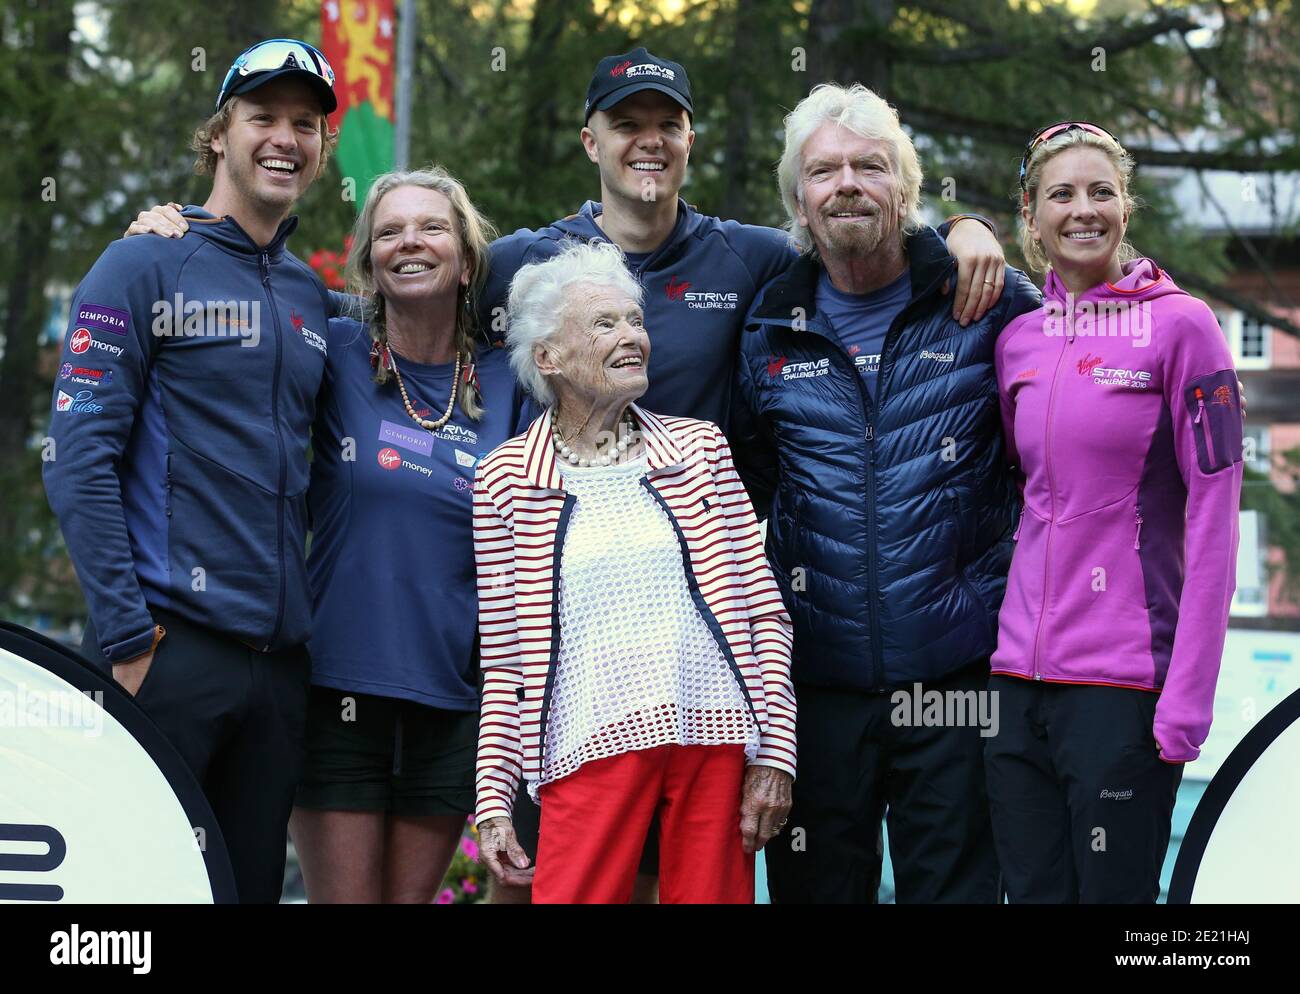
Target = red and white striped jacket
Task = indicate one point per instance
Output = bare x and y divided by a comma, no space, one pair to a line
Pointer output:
521,514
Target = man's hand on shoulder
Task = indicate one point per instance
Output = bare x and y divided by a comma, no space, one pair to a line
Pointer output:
164,219
981,267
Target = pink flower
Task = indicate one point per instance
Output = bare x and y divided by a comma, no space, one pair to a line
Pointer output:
446,897
469,847
469,886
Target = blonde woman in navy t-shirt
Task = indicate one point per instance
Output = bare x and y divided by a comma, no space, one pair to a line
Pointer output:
412,401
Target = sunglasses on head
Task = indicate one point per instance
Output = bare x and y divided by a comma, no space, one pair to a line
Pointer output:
277,53
1050,132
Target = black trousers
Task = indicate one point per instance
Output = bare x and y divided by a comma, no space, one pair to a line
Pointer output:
236,716
860,764
1081,800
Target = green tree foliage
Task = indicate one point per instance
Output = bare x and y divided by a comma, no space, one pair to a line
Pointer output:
104,96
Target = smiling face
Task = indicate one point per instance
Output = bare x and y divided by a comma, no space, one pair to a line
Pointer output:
1079,216
851,198
601,352
415,250
270,151
641,145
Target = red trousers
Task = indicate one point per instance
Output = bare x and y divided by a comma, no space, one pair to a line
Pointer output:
594,824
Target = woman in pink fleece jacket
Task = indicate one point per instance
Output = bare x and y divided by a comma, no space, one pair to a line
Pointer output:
1123,420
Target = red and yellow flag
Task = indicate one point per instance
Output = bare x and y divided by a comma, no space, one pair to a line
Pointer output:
357,36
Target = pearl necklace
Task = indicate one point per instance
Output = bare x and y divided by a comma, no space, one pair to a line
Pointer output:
406,401
614,455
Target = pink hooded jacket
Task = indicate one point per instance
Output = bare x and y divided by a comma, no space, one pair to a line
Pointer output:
1122,415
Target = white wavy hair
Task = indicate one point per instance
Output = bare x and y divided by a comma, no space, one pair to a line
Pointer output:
539,294
864,113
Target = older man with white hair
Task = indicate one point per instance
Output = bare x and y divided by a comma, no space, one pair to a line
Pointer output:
867,430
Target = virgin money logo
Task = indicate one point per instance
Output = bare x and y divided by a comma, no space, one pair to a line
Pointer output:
80,341
389,459
676,289
774,366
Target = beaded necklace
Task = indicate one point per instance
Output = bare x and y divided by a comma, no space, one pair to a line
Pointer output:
386,355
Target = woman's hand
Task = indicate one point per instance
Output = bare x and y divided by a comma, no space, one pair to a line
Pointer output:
764,805
496,838
165,220
980,269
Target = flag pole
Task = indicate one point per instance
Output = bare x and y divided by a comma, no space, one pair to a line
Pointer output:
405,64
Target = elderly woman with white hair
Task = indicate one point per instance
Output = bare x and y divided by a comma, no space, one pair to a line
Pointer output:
634,643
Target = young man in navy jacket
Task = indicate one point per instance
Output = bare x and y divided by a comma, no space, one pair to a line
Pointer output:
180,422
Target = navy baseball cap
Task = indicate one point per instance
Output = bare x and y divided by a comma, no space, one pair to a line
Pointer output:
276,57
617,77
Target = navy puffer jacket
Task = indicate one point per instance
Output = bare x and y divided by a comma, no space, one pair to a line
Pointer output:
889,524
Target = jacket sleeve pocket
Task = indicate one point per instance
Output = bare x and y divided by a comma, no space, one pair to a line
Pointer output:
1215,410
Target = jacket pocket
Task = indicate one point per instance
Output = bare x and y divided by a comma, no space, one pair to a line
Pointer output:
1215,411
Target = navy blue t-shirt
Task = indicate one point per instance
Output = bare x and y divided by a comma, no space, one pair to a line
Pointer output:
861,320
392,554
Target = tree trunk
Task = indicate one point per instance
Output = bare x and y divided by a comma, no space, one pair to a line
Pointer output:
738,160
44,64
849,43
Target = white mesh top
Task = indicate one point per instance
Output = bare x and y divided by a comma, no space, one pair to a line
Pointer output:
638,666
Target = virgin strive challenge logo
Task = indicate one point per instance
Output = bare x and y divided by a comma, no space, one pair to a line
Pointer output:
700,300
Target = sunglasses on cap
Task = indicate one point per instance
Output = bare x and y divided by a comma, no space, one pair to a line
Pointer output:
274,54
1050,132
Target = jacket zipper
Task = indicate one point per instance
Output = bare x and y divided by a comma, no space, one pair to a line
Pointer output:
1051,483
1137,537
1020,521
1201,419
265,264
867,410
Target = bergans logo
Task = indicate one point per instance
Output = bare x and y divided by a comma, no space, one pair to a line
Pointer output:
937,356
805,370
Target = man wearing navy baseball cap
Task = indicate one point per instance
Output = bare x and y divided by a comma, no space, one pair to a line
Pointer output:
181,419
619,76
